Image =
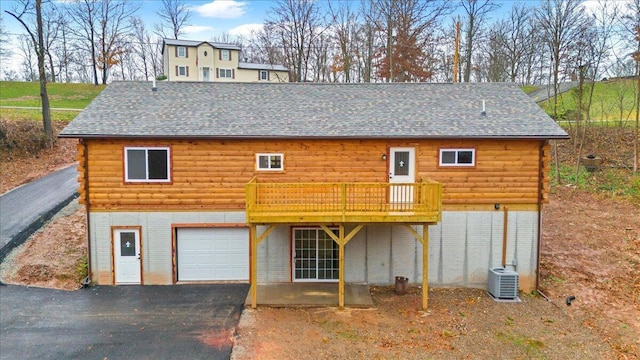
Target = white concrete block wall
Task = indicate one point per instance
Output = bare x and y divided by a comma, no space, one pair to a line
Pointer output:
462,247
157,263
274,256
356,251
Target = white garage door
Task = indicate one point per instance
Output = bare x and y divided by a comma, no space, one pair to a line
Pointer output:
213,254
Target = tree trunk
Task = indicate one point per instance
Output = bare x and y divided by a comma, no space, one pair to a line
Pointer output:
46,113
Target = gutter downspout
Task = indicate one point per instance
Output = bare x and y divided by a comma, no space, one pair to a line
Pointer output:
86,206
540,188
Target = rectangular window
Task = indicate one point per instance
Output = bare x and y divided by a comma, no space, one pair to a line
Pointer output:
272,162
225,54
315,255
182,51
225,73
146,164
182,71
264,75
457,157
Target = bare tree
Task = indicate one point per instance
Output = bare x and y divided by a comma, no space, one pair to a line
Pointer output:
85,15
175,15
298,24
29,63
631,23
5,51
561,22
114,26
476,12
514,37
26,10
345,29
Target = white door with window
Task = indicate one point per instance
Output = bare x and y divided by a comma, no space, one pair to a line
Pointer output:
127,256
315,256
402,172
205,74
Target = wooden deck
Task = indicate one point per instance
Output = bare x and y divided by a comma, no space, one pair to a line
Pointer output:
279,203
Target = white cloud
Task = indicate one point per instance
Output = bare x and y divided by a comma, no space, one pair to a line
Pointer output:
196,29
245,31
223,9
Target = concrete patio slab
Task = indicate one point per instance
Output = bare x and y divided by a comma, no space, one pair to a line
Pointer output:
311,295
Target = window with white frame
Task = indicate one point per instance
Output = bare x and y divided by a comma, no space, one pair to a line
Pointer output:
182,51
264,75
225,54
269,162
457,157
182,71
225,73
147,164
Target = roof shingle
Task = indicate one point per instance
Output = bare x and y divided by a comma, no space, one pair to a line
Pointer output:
310,110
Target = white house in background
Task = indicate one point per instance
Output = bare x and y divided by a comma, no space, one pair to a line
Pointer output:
190,60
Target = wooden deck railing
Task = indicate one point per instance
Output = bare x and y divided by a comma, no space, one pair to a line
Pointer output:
343,202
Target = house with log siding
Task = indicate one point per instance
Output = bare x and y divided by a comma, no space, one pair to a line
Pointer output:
264,183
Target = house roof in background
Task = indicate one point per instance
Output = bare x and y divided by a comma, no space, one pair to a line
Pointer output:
178,42
254,66
311,110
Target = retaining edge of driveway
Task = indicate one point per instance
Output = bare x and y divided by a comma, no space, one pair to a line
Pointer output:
23,235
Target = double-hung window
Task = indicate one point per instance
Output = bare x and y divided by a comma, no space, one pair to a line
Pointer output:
182,51
225,73
147,164
183,71
269,162
264,75
225,54
457,157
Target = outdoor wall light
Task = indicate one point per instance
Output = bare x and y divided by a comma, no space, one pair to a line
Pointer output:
384,156
496,206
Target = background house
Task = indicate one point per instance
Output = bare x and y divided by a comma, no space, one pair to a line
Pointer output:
188,60
329,182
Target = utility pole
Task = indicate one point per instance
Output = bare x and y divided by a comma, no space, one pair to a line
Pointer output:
455,53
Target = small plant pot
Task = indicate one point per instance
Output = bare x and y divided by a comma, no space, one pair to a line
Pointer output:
591,163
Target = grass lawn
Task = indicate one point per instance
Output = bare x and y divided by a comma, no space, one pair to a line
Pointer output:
612,100
74,96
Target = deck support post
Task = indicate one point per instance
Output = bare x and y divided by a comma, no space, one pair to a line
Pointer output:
341,267
254,265
425,266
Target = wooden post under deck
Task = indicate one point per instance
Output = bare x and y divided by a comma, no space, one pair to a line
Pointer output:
254,265
425,266
341,267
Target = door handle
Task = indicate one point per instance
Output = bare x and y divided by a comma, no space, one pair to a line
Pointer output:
138,256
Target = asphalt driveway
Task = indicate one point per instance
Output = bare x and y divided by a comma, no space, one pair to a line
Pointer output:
120,322
24,209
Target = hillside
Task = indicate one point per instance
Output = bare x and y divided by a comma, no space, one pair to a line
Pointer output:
613,100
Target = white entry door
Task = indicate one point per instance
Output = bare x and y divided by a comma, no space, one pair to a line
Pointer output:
205,74
402,172
127,256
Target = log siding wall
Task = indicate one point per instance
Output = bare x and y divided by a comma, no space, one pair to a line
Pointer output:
211,174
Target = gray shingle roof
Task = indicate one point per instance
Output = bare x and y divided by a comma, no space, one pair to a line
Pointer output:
254,66
308,110
179,42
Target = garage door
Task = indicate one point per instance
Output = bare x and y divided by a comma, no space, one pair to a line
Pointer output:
212,254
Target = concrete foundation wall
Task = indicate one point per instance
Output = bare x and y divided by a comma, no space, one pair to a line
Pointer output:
462,248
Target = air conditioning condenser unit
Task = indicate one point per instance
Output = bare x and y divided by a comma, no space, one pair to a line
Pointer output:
503,284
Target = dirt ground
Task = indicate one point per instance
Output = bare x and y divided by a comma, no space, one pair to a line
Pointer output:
590,250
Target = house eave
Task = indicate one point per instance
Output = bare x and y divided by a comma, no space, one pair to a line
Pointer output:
288,137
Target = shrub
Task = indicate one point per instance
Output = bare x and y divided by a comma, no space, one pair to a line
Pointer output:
21,136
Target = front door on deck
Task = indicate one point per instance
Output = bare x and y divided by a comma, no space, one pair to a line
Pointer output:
315,255
126,244
401,171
